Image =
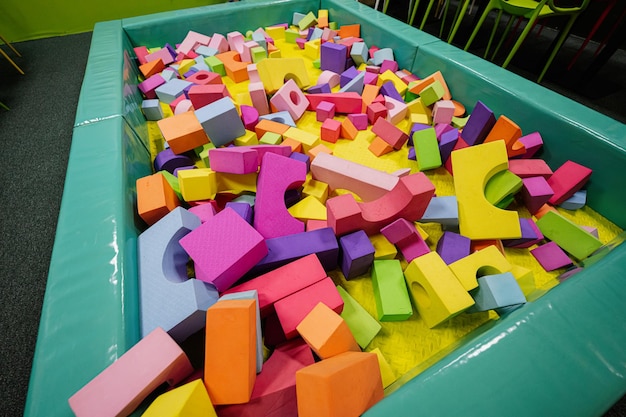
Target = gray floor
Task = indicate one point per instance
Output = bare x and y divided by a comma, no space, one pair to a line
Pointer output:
35,138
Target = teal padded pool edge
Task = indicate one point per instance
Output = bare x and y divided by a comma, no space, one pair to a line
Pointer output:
89,316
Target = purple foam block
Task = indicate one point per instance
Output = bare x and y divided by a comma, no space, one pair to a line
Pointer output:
532,143
407,239
447,142
319,89
478,125
416,128
370,78
167,160
298,156
359,120
242,209
249,116
453,246
183,169
551,256
529,235
412,154
285,249
347,76
535,193
389,89
333,57
389,65
357,254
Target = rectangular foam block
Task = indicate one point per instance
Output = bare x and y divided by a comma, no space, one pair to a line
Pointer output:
568,235
363,326
390,292
123,385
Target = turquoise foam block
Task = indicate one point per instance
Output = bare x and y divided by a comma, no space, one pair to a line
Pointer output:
559,355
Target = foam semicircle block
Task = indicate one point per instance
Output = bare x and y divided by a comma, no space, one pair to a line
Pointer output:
479,219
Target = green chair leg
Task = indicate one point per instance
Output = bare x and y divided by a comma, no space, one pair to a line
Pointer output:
562,37
4,106
493,33
488,9
458,18
507,30
520,39
430,6
415,6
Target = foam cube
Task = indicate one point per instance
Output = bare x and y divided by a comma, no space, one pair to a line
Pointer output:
220,121
357,254
182,132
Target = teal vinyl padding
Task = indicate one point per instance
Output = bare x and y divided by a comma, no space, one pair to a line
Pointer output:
90,311
559,355
109,86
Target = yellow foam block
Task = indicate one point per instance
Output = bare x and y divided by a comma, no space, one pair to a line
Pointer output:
397,81
276,32
479,219
487,261
236,183
386,372
317,189
525,278
437,293
189,400
274,71
307,139
309,208
247,139
383,248
198,184
312,49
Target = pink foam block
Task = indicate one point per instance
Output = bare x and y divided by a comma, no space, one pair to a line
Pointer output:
201,95
566,180
163,54
249,116
535,193
148,86
274,393
375,111
124,384
290,98
329,77
345,103
259,97
277,175
389,133
234,160
408,199
532,143
219,42
396,110
282,150
292,309
405,236
191,41
203,211
235,41
283,281
525,168
359,120
224,248
368,183
330,130
551,256
324,110
443,111
204,77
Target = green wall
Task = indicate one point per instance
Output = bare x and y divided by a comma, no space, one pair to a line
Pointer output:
22,20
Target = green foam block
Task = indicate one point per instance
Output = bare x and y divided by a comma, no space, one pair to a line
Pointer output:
426,149
362,325
568,235
390,292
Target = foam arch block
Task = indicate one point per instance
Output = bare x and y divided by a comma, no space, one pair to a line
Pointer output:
321,387
224,248
277,175
478,219
168,299
408,200
368,183
390,291
497,291
437,293
123,385
487,261
326,332
230,351
274,71
189,400
507,130
282,282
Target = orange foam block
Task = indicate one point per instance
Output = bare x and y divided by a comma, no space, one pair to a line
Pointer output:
182,132
236,70
152,67
283,281
230,351
326,332
408,200
224,248
274,393
266,125
277,175
505,129
155,198
380,147
124,384
345,385
293,309
389,133
348,130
